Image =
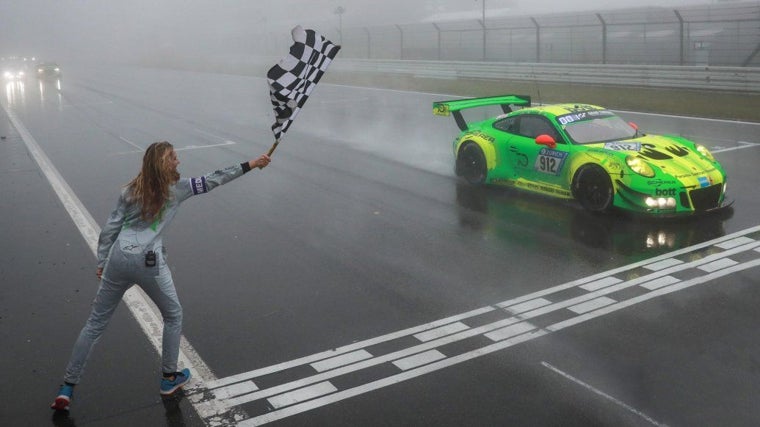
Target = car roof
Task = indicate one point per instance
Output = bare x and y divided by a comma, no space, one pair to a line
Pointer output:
560,109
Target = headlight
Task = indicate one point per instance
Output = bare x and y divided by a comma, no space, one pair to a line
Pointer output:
640,166
705,152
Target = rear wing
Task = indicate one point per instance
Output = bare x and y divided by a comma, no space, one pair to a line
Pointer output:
455,106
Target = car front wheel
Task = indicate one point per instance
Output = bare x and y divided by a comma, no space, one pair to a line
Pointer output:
471,163
592,187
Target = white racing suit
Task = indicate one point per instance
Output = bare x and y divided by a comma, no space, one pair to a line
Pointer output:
122,247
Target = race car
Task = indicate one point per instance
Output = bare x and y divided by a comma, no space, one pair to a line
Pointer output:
48,70
584,152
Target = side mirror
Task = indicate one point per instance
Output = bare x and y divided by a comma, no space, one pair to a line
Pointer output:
546,140
634,126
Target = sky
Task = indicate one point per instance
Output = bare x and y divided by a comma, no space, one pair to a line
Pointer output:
111,29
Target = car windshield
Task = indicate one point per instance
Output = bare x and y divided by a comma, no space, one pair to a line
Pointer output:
596,126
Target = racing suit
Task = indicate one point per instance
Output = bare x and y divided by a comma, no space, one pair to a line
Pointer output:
122,247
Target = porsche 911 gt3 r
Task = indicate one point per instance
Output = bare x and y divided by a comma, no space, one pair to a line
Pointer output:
584,152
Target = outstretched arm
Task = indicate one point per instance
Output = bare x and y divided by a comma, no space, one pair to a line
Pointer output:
193,186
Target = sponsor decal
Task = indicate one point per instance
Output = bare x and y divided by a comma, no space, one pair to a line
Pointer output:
677,151
657,182
665,192
703,181
550,161
198,185
623,146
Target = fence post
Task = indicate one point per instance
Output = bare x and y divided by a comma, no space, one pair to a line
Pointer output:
369,43
438,29
538,39
680,35
604,38
401,42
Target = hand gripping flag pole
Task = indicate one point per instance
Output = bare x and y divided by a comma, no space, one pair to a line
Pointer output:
295,76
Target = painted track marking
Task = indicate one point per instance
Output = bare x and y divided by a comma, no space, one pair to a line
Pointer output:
592,297
604,395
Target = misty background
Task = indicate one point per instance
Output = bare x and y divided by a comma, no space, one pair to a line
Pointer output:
127,31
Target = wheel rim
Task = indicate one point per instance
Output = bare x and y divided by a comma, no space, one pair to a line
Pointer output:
472,164
595,190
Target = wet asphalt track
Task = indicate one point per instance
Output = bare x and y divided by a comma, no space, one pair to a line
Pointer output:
355,234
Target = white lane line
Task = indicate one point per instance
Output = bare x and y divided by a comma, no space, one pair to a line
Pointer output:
600,284
510,331
653,294
717,265
513,329
235,390
345,349
342,360
420,359
742,145
135,299
661,265
591,305
734,242
660,282
301,395
604,395
441,332
388,381
528,305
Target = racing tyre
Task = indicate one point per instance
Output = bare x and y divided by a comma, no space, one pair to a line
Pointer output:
471,163
592,187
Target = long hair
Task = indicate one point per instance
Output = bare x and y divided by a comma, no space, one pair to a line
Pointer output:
150,188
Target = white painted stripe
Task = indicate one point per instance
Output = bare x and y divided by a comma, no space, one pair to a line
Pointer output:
528,305
450,361
388,381
591,305
653,294
420,359
660,282
441,332
578,282
479,330
370,362
661,265
742,146
717,265
342,360
599,284
743,240
510,331
604,395
135,299
301,395
351,347
237,389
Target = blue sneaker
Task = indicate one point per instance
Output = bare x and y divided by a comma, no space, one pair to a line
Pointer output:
62,401
169,386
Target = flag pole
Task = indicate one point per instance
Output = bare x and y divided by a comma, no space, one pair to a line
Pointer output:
271,150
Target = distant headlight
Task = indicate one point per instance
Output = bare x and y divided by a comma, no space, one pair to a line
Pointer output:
640,166
705,152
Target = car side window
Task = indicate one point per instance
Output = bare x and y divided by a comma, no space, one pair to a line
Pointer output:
507,125
531,126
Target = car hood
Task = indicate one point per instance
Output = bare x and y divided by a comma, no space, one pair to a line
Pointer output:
667,154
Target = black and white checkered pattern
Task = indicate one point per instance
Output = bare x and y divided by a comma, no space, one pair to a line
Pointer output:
294,77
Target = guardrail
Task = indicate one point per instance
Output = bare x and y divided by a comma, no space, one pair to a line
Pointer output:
734,79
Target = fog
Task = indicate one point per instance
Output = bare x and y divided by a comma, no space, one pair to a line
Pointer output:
128,29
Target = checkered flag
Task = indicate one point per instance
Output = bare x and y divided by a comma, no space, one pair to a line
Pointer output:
294,77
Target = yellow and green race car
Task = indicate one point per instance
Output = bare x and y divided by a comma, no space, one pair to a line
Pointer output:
584,152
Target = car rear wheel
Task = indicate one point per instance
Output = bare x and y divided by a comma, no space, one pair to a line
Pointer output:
592,187
471,163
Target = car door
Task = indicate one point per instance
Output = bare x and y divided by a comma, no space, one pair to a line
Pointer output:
539,164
